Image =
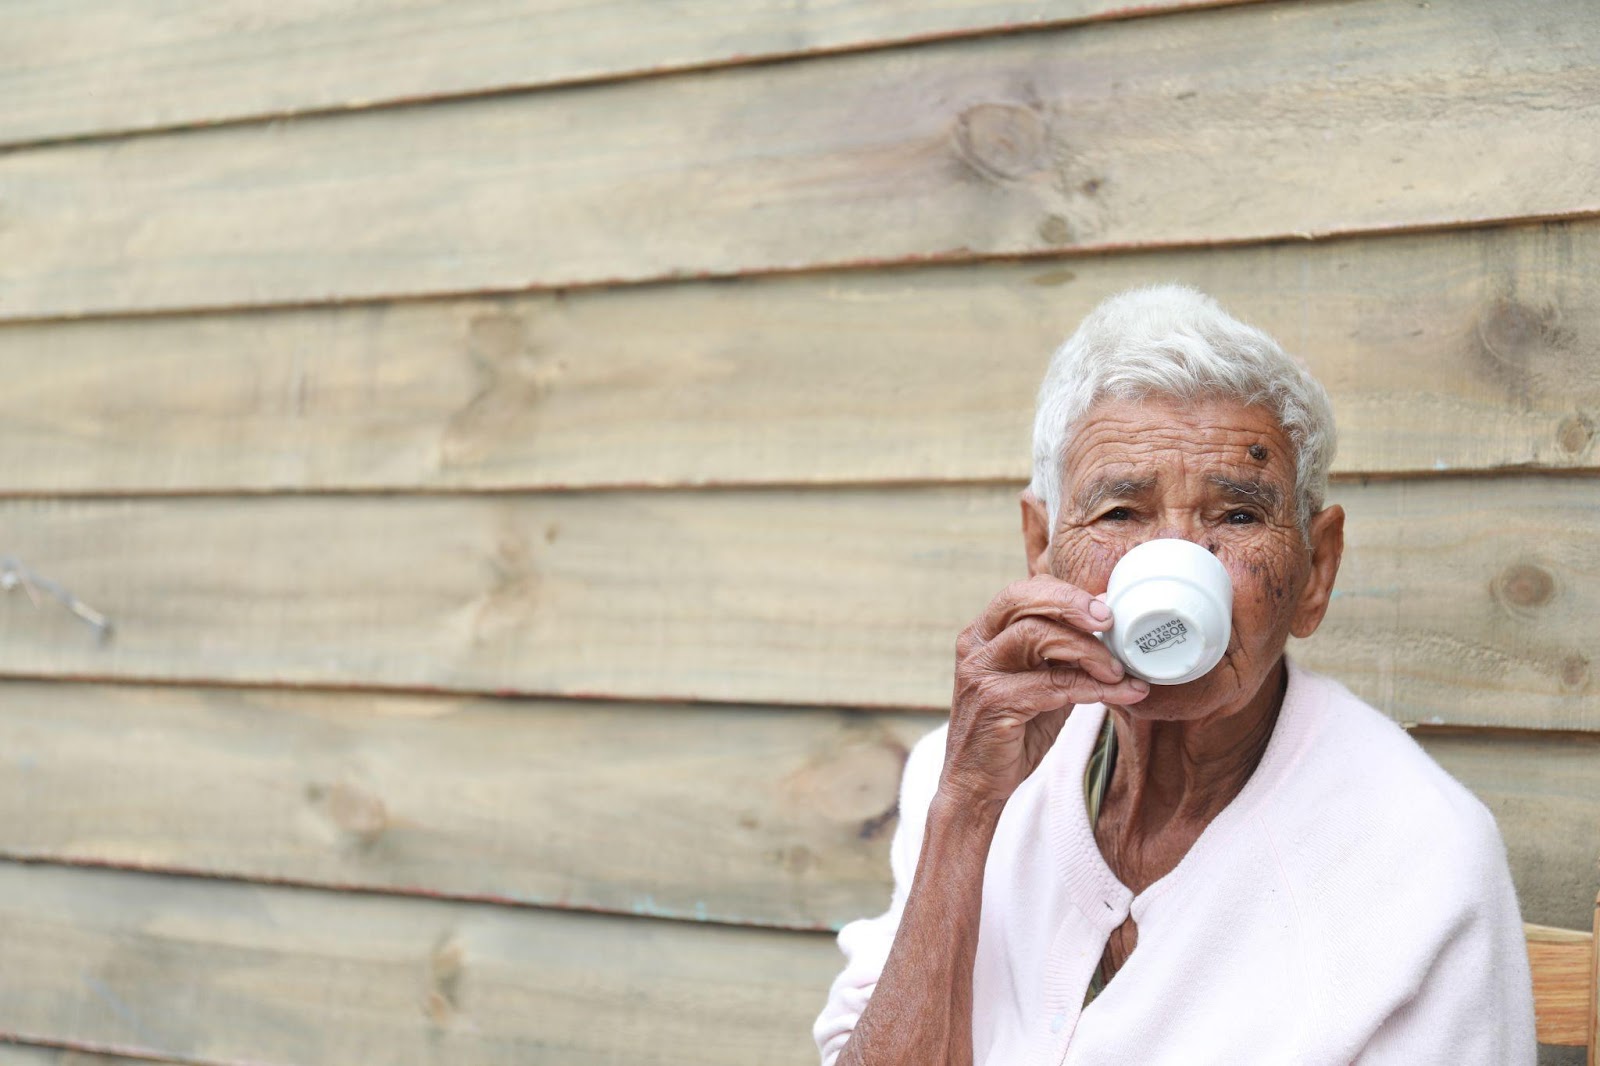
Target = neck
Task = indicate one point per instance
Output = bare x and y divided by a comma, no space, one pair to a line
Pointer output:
1173,777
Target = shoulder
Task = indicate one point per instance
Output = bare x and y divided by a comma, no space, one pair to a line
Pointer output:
1401,886
1367,824
1359,769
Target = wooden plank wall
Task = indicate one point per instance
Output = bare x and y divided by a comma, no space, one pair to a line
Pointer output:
536,458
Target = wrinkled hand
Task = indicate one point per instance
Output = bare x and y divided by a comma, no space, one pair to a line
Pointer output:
1020,668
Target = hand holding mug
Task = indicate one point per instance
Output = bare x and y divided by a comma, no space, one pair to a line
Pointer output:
1021,666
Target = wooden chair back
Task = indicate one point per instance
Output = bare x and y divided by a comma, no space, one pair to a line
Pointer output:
1566,984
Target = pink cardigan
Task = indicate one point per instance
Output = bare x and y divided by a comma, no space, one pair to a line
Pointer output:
1352,904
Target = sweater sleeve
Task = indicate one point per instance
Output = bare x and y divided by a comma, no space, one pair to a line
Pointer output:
1474,1005
866,942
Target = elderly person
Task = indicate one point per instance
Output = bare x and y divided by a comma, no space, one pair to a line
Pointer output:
1252,867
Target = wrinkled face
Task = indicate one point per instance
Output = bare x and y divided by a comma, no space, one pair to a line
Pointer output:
1217,473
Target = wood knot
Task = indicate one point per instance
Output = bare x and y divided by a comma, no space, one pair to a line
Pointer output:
1525,348
444,980
1574,433
874,827
355,811
497,337
1525,585
1003,141
512,596
852,783
513,381
1575,673
1056,230
1508,329
796,860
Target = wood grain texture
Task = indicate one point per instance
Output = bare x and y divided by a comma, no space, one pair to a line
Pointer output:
738,815
1545,796
228,973
1149,131
1464,601
1459,602
1463,351
1593,1050
1563,990
70,68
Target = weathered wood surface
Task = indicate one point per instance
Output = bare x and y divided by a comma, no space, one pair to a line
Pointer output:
1461,602
1545,795
1468,350
232,973
1149,131
72,68
730,814
1465,601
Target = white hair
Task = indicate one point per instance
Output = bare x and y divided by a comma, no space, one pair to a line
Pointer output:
1174,342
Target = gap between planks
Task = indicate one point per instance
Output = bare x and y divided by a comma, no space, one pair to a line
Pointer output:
417,892
19,1049
405,101
817,485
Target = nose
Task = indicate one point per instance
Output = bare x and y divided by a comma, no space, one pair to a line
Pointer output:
1190,531
1173,529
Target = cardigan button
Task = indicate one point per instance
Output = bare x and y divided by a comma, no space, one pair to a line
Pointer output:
1057,1022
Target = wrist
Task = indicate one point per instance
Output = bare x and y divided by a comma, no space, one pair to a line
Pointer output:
964,814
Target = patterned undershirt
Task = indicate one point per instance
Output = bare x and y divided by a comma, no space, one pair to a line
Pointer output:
1096,780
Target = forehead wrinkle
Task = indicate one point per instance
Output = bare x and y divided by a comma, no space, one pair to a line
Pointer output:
1249,490
1112,486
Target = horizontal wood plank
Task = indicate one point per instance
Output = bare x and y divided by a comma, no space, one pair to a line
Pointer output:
737,815
225,973
1459,602
72,68
229,973
1373,116
729,814
1545,795
1460,351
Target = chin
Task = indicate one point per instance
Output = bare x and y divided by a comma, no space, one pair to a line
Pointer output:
1176,703
1221,688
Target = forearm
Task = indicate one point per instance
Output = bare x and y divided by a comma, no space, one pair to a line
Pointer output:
921,1010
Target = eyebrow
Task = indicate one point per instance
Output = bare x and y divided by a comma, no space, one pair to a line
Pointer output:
1107,488
1262,493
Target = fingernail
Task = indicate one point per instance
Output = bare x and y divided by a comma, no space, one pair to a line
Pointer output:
1141,687
1100,611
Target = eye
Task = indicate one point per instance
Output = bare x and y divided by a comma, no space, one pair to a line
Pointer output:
1117,514
1240,518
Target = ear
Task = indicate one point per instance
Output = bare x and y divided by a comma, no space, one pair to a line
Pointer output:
1327,547
1035,533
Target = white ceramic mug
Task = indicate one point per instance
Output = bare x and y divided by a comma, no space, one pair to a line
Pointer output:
1171,611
